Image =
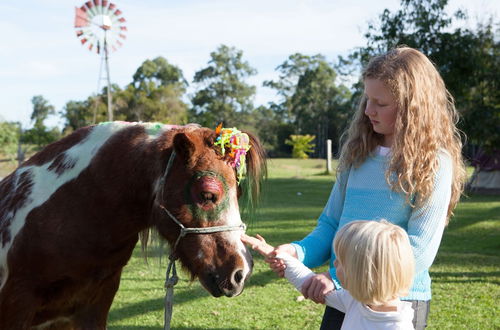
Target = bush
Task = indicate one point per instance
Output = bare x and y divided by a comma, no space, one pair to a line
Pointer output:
9,138
302,145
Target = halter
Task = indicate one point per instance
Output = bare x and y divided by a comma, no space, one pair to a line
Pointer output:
171,281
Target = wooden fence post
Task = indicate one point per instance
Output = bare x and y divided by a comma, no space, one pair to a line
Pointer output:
328,156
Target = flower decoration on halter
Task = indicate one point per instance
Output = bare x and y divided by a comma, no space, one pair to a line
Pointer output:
236,144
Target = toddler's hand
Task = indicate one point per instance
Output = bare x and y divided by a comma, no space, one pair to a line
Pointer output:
276,264
316,287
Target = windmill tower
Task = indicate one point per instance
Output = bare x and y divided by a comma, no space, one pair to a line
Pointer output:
100,26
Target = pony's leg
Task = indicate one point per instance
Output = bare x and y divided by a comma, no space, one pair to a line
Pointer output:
95,314
17,307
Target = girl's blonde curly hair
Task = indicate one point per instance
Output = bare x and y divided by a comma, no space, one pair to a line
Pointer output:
425,124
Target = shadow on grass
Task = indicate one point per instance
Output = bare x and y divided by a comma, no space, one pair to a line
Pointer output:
139,308
140,327
182,295
134,327
466,277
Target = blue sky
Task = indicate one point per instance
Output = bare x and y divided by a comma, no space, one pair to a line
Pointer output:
40,54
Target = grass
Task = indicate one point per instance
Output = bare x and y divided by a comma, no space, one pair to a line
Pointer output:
466,272
6,167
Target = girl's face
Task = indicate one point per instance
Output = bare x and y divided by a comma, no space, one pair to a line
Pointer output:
381,109
339,270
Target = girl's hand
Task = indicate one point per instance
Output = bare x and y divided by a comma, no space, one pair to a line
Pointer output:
278,265
257,243
316,287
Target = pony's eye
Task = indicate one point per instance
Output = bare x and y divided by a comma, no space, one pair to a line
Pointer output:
208,197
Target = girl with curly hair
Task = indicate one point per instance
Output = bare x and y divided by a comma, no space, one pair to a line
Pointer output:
401,161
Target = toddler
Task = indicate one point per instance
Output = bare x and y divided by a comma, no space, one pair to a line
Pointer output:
374,265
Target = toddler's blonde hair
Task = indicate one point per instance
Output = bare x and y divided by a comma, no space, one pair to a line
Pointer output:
377,260
425,124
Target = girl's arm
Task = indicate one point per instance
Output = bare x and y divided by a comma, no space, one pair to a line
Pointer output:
427,223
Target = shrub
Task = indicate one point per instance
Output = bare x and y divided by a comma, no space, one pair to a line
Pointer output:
302,145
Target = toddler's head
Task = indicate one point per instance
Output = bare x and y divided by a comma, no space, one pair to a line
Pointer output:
377,261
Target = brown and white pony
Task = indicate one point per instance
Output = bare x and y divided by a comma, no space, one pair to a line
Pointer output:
70,218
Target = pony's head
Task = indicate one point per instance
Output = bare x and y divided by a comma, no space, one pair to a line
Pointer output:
201,189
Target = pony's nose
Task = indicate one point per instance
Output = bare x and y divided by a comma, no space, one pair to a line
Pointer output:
238,277
237,281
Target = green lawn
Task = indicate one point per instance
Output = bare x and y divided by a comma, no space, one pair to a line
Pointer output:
466,273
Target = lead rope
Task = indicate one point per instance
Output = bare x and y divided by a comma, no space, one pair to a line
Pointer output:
171,280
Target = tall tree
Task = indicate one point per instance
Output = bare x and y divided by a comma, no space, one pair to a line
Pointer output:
311,99
222,94
155,94
81,113
40,135
289,73
158,72
41,110
479,100
319,105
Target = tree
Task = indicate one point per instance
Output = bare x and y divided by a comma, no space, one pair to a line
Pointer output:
40,135
223,95
158,72
81,113
468,60
41,110
272,131
9,139
318,105
155,94
480,99
289,73
311,99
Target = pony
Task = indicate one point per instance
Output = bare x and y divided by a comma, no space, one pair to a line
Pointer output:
72,214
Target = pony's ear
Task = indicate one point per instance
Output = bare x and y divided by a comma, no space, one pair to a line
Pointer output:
183,146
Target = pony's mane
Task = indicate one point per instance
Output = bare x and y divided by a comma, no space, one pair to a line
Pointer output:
255,175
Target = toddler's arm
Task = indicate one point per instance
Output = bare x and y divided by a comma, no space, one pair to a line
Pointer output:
295,271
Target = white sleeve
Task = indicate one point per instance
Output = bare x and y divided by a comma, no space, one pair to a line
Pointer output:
295,272
339,299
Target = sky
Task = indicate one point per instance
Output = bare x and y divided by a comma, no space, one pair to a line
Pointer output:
41,55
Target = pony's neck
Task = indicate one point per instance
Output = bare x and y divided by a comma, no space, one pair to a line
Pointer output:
128,169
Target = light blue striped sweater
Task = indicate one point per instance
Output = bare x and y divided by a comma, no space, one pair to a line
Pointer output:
363,194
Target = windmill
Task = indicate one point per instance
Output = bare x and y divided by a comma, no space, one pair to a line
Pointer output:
100,26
